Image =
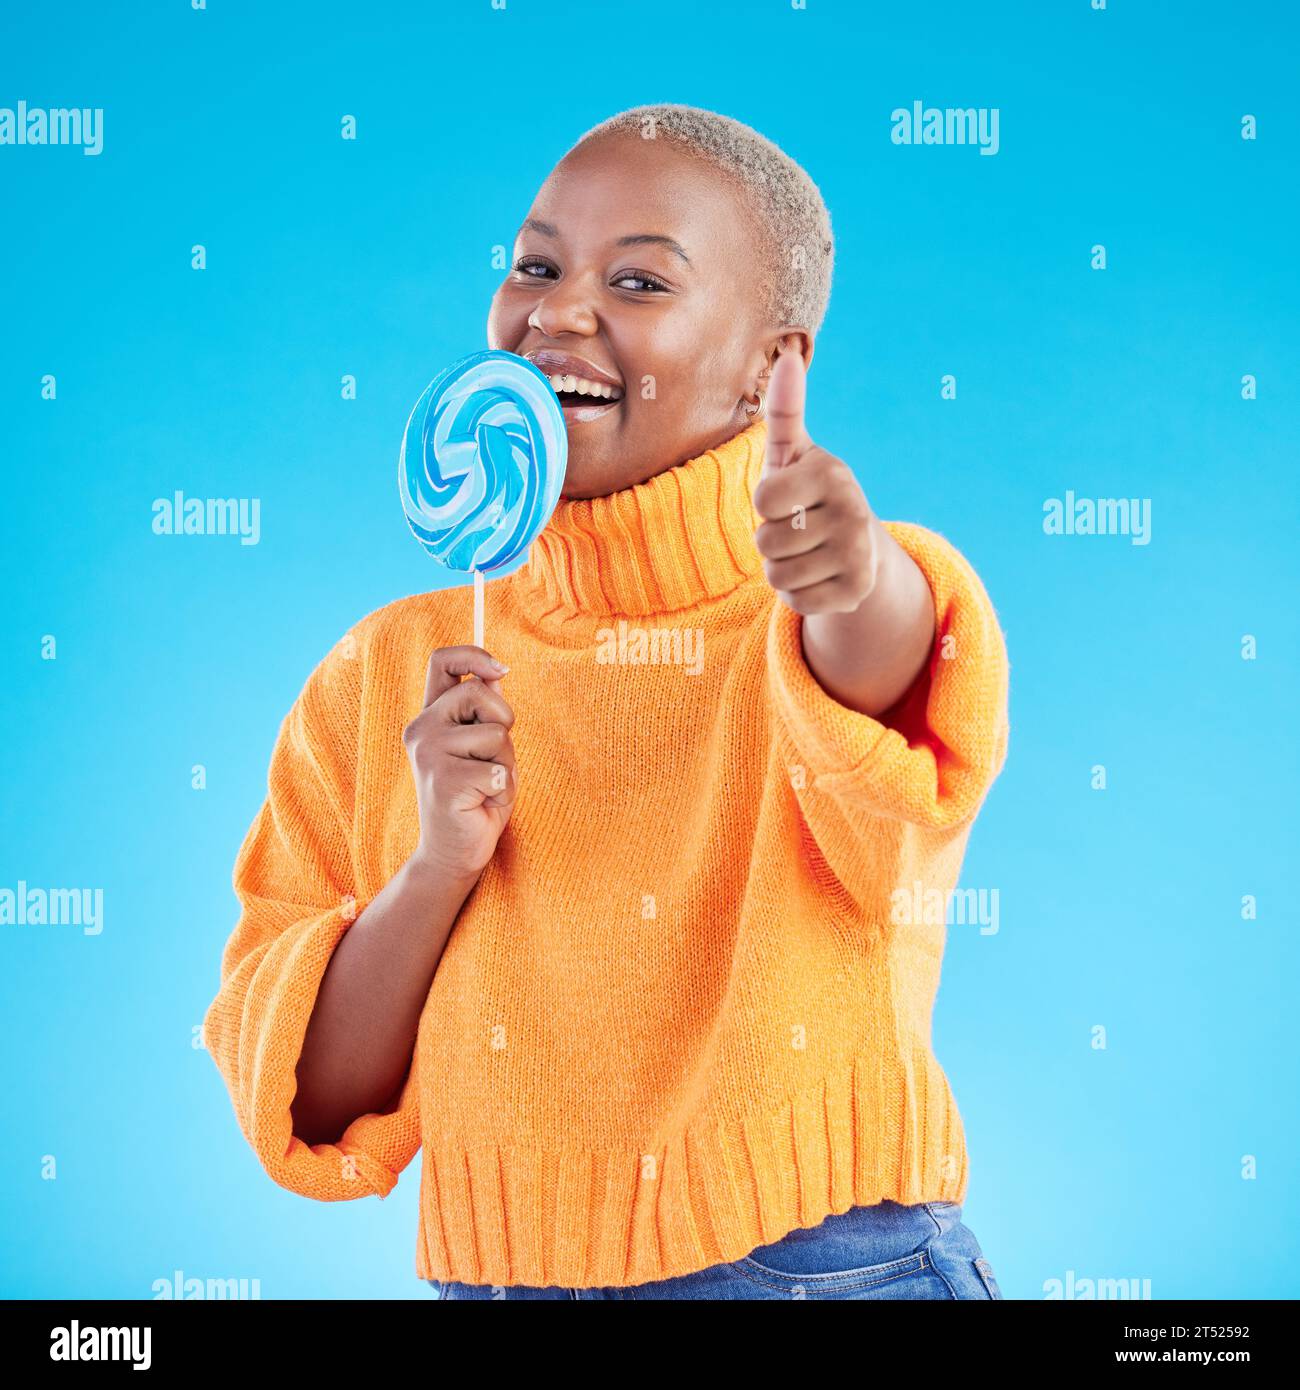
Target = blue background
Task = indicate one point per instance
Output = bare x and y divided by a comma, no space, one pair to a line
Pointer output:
1119,908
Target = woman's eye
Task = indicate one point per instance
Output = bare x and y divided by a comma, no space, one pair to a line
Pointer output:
535,270
642,282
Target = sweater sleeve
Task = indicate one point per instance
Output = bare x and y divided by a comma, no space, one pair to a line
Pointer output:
295,884
946,742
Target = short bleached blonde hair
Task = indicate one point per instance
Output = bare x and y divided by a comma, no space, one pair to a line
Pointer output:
799,247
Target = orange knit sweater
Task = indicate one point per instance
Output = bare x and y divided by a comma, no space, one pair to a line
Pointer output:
675,1018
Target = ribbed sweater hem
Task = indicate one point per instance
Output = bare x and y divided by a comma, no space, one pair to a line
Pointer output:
883,1129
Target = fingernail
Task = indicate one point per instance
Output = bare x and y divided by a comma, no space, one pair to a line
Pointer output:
501,666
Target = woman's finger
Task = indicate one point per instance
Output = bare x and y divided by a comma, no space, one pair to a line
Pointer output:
469,783
473,700
803,571
448,664
786,394
486,742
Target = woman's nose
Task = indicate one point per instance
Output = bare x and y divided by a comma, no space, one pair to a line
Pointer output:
564,309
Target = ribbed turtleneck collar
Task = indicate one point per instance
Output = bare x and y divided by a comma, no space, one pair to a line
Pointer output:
682,537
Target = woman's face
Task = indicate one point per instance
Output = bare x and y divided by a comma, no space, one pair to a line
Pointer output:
638,269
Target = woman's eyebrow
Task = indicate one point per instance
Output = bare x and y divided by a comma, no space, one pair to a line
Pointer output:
638,239
646,238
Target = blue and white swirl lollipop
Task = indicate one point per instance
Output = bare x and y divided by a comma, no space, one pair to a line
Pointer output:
482,465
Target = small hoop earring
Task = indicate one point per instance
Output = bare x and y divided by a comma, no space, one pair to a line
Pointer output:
755,410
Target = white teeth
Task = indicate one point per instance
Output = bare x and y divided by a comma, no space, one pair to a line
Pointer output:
581,386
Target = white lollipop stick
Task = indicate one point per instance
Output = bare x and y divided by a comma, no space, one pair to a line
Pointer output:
478,608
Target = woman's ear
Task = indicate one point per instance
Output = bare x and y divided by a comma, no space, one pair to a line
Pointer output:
790,340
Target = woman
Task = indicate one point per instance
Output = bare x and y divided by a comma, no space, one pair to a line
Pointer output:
676,1045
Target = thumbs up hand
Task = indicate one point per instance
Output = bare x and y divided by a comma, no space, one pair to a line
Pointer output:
869,619
819,538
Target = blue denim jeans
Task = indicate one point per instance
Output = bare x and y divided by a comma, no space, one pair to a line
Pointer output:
883,1251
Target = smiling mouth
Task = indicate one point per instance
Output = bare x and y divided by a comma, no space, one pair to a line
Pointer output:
583,399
